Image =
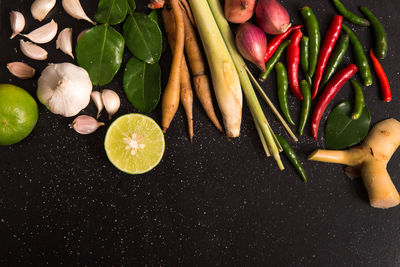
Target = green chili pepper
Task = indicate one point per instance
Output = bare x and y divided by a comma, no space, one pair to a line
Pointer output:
359,102
272,61
337,57
305,43
381,45
283,88
353,18
305,105
312,27
359,56
291,155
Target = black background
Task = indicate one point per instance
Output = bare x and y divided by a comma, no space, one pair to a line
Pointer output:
214,202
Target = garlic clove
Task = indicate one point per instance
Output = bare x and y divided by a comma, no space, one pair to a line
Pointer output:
98,101
40,8
64,41
32,50
84,124
111,102
74,9
44,34
17,21
80,35
21,70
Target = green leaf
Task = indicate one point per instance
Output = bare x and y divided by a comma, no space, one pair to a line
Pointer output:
142,84
155,15
143,37
342,131
111,11
100,51
131,6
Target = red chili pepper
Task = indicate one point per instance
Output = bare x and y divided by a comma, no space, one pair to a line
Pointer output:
331,89
292,62
383,80
331,36
277,40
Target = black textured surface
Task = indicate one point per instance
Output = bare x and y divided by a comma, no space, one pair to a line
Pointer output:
213,202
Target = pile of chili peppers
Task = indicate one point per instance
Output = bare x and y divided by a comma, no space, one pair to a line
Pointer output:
320,67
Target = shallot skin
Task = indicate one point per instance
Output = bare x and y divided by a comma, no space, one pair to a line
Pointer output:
239,11
252,44
272,17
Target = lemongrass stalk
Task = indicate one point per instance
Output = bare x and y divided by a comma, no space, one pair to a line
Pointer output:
225,78
260,134
271,105
247,87
275,138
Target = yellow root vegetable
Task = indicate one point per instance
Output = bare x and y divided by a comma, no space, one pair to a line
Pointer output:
197,65
170,99
369,160
185,84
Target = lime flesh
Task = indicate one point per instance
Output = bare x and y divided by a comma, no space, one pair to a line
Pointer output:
134,143
18,114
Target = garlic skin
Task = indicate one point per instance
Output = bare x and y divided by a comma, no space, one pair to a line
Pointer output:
17,22
111,102
32,50
75,10
64,41
40,8
43,34
64,89
84,124
21,70
98,101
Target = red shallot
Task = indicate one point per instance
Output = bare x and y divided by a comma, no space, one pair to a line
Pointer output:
239,11
272,17
252,44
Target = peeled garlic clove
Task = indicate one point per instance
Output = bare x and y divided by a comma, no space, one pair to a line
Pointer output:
40,8
32,50
74,9
84,124
111,102
21,70
17,21
98,101
64,41
44,34
80,35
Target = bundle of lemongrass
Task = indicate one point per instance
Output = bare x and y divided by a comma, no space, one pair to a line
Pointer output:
227,68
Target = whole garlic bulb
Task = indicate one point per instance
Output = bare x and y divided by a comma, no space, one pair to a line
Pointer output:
64,89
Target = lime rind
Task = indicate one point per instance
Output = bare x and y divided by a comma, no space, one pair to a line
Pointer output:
150,134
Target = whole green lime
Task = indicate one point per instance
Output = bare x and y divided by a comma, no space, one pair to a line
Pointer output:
18,114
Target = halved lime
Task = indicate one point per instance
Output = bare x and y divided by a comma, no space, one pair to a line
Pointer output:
134,143
18,114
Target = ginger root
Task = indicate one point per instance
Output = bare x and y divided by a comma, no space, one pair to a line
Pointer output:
369,160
